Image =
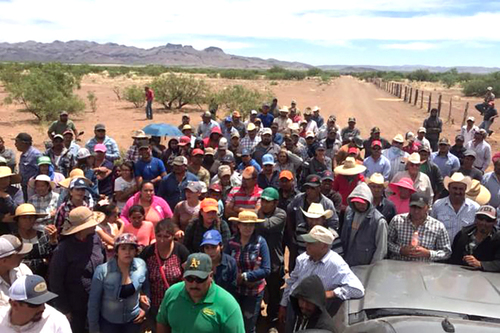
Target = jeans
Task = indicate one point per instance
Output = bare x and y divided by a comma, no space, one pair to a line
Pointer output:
274,282
250,307
106,326
486,125
149,109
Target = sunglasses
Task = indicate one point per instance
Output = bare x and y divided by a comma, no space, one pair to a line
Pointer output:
196,279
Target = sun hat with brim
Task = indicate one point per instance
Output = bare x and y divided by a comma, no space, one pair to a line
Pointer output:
478,193
320,234
41,178
378,179
199,265
209,205
5,171
79,219
414,158
139,134
246,216
349,168
10,244
406,183
458,177
31,289
27,209
398,138
316,210
75,173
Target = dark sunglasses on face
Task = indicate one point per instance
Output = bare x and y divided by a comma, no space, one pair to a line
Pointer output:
196,279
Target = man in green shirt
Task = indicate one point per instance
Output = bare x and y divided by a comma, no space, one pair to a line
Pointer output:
198,304
62,125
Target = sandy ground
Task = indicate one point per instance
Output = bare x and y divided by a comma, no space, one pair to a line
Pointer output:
343,97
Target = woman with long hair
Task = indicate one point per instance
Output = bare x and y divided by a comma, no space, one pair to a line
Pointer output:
125,185
187,209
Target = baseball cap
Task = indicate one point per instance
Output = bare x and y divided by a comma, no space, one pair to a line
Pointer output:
99,127
215,187
78,183
471,119
223,144
64,113
209,151
353,150
266,131
24,137
319,234
207,114
209,205
82,153
31,289
444,141
248,172
470,152
312,181
184,141
235,134
245,152
197,151
43,160
286,174
236,114
10,244
424,148
126,238
199,265
227,159
422,130
58,136
419,200
204,188
253,112
376,143
211,237
327,175
228,119
488,211
100,147
358,199
267,159
310,134
321,146
68,132
186,127
224,170
194,186
351,120
375,130
459,137
270,194
180,160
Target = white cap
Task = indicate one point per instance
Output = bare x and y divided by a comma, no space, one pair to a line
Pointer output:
422,130
223,143
471,118
489,88
310,134
266,130
82,153
253,112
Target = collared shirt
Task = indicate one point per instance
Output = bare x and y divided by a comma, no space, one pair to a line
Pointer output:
491,182
267,119
227,132
382,166
14,274
483,154
312,126
204,129
265,182
239,197
396,157
333,272
347,132
132,154
424,142
283,124
468,134
50,322
46,204
73,148
447,164
173,191
443,211
27,164
58,127
63,163
432,235
112,151
248,143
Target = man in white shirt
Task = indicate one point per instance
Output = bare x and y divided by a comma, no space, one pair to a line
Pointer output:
28,312
422,139
311,126
12,252
469,130
283,121
206,125
482,149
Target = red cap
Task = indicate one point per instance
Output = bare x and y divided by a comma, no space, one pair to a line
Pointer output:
496,157
184,141
376,143
360,200
197,151
215,187
353,150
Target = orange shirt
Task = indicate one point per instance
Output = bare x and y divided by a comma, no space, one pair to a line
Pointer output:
145,234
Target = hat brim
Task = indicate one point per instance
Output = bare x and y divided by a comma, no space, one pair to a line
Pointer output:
313,185
482,197
14,178
66,182
466,182
340,170
420,204
36,215
42,299
327,214
210,209
265,197
200,274
97,217
397,186
27,247
210,242
385,184
235,219
32,182
309,239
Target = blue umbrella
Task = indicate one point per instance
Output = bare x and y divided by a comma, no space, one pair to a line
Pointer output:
162,130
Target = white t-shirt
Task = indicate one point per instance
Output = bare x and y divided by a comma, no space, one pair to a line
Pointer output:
122,185
14,273
52,321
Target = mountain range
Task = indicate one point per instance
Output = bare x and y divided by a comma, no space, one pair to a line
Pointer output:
78,52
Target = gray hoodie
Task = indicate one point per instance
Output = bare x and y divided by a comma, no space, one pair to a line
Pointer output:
368,243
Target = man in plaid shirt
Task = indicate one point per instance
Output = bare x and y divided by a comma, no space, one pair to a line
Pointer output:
251,139
416,236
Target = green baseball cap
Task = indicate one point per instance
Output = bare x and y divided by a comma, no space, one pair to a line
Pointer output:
270,194
198,264
43,160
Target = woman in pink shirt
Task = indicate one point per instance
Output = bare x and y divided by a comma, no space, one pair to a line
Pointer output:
401,192
155,208
143,230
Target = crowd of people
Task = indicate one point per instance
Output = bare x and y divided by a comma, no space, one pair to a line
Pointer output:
191,236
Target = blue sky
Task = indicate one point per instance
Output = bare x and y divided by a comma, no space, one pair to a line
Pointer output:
318,32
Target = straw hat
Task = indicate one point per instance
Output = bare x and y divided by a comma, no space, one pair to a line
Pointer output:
378,179
478,193
316,210
5,171
349,168
81,218
27,210
284,109
139,134
399,138
246,216
75,173
41,178
414,158
458,177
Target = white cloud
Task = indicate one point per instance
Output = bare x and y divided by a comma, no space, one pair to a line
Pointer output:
229,23
416,46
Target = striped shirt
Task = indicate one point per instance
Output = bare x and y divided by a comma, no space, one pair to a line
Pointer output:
443,211
333,272
432,235
241,199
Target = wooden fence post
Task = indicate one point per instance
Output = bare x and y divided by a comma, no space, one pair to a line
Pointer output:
465,113
422,100
406,92
416,97
400,90
430,102
449,111
411,93
439,104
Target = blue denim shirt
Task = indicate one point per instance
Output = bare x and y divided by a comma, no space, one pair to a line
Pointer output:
27,164
104,297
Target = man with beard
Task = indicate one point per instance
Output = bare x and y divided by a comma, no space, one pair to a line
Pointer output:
28,312
172,186
62,125
266,146
62,159
198,304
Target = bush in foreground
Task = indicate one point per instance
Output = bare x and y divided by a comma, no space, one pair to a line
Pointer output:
135,95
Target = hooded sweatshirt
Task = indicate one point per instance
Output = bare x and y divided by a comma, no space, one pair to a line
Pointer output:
364,234
312,290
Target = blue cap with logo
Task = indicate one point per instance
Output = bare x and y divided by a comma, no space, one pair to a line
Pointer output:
211,237
267,159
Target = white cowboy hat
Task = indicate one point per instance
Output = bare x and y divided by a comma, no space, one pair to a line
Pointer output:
41,178
414,158
316,211
349,168
458,177
478,193
377,178
284,109
399,138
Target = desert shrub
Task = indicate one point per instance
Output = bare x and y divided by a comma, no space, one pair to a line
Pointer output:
135,95
477,86
117,92
43,90
91,97
237,97
243,74
177,90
